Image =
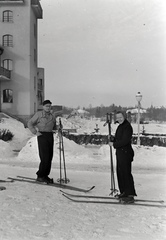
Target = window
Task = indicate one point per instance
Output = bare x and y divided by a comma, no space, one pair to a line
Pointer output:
40,84
8,64
7,96
40,97
35,83
8,40
35,30
7,16
35,58
34,107
40,81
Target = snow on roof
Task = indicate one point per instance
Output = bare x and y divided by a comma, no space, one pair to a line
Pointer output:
82,111
79,111
135,110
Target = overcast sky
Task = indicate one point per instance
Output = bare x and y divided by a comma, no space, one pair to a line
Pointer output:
103,51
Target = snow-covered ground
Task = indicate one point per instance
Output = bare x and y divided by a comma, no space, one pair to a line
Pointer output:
31,211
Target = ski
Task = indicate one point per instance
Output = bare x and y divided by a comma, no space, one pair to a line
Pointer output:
58,185
108,198
6,181
112,202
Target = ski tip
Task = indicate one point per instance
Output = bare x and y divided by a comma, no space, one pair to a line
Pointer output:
63,194
11,179
83,190
2,188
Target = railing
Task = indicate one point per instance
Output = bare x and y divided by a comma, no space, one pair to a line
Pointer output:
40,87
11,0
5,72
35,2
38,8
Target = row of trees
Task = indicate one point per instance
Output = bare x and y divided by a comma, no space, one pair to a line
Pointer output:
157,114
102,110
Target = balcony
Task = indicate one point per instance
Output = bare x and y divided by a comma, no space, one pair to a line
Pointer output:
37,8
40,87
11,1
5,74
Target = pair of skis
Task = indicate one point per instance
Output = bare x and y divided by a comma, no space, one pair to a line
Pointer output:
55,184
90,198
110,200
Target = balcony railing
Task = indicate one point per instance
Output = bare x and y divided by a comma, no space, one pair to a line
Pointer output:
9,1
40,87
35,2
5,74
37,8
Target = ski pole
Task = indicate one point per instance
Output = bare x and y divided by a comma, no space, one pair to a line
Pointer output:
108,121
60,156
64,163
66,180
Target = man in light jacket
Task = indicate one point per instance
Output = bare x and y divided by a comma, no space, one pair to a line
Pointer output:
42,125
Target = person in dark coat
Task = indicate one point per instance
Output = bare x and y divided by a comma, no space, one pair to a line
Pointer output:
42,125
124,156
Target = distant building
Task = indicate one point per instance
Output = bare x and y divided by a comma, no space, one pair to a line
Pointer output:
79,112
21,81
132,114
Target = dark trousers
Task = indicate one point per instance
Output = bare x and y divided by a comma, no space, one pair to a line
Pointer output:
124,175
45,146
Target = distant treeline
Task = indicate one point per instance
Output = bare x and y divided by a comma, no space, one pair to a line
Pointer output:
157,114
102,110
153,113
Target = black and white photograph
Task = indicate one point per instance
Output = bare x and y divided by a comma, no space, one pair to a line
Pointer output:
82,119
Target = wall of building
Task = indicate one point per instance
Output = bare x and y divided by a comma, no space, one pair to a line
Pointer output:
24,54
19,54
33,63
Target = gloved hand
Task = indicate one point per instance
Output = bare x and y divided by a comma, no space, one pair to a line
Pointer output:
110,144
38,134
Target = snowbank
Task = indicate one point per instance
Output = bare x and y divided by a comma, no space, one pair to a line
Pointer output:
72,150
5,150
21,134
153,157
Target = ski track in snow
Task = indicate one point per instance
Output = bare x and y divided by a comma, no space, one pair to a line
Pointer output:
31,211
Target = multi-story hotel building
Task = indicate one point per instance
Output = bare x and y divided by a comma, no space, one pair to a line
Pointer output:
21,81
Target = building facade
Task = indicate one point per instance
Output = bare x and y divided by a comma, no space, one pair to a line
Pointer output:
21,81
